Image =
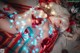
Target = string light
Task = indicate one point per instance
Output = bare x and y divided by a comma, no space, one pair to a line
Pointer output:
53,12
46,6
50,4
19,17
15,13
50,30
45,16
21,30
11,21
17,22
33,51
35,42
36,49
24,21
29,20
11,15
41,32
24,48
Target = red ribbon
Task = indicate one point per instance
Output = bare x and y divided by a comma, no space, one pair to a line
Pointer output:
48,43
46,1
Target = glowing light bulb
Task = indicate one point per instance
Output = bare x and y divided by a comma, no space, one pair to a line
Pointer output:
23,22
15,12
29,19
45,16
11,15
21,29
51,4
11,21
53,13
33,51
37,50
37,21
25,15
19,41
17,22
35,42
50,29
31,9
46,6
19,44
19,17
24,48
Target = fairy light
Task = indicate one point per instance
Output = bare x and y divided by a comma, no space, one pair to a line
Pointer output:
35,12
23,22
36,49
45,20
50,30
31,9
32,43
38,37
33,51
17,22
26,20
19,44
15,13
41,32
27,50
53,13
19,41
21,29
24,48
29,20
51,4
39,16
11,21
19,17
37,21
11,15
45,16
41,13
35,42
46,6
25,15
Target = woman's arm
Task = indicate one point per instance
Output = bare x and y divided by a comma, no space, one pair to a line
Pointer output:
5,25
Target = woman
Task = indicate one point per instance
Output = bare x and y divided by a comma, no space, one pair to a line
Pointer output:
37,24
